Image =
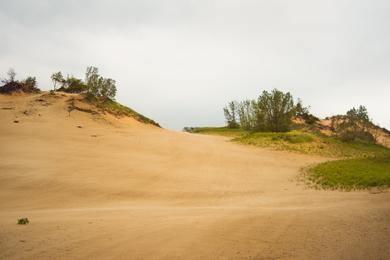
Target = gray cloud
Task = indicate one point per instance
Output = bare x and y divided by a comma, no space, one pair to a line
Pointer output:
180,61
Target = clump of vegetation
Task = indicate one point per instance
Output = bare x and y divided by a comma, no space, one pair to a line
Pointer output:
98,91
351,174
354,125
113,107
23,221
301,141
11,85
223,131
94,85
271,112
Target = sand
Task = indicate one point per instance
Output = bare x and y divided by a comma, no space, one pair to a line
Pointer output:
97,187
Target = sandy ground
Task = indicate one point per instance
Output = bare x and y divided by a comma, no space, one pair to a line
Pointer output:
97,187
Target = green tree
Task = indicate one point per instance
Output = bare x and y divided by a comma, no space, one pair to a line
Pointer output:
355,125
92,79
246,114
57,78
230,112
103,88
275,110
108,88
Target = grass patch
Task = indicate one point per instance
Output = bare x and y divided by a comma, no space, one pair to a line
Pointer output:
117,109
351,174
363,164
223,131
301,141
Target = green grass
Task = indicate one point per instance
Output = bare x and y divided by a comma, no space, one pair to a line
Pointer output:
362,165
224,131
117,109
351,174
301,141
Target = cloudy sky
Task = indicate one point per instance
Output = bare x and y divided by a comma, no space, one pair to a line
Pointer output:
179,62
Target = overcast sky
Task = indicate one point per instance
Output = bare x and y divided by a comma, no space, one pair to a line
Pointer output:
179,62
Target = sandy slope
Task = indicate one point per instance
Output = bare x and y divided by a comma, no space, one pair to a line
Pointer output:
118,189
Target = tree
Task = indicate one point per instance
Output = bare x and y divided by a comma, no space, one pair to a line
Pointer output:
303,112
246,114
355,125
11,75
230,112
57,78
108,88
276,110
103,88
31,82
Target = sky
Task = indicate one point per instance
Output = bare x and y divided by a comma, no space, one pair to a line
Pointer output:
181,61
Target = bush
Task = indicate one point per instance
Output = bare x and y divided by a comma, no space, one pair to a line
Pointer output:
29,85
23,221
354,125
73,85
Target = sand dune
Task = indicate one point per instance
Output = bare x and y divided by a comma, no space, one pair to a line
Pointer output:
99,187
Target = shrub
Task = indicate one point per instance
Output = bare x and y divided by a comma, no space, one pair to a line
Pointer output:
23,221
354,125
28,85
73,85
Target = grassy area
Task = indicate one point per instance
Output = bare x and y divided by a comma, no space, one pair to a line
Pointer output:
224,131
117,109
351,174
300,141
362,165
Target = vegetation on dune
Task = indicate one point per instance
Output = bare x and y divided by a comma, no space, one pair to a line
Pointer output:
271,112
11,85
23,221
95,85
113,107
98,91
269,122
302,141
351,174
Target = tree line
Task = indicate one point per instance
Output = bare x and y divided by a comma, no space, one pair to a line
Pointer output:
274,111
94,84
271,111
